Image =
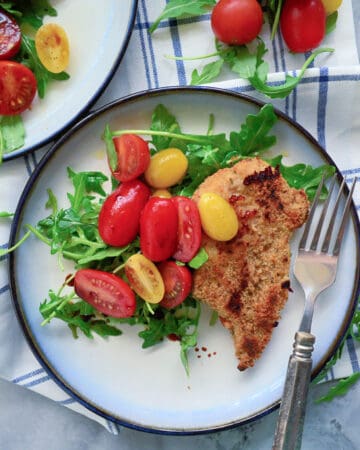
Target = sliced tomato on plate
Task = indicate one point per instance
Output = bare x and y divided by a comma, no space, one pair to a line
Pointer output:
106,292
17,88
133,157
189,228
10,36
178,283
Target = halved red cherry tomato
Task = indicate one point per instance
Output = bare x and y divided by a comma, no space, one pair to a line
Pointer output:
106,292
189,228
178,282
17,88
158,229
236,22
119,216
133,157
302,24
10,36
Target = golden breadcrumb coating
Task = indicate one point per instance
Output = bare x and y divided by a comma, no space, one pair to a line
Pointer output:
246,280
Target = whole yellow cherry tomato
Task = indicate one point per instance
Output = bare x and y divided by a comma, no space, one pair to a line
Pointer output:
331,6
167,168
145,278
218,217
52,47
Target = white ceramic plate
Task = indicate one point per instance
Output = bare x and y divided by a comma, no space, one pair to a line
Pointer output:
98,33
148,389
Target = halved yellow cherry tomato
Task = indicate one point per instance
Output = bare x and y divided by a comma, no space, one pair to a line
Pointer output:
163,193
218,217
144,277
52,47
331,6
167,168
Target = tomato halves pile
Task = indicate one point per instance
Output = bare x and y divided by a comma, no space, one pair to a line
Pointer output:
169,229
18,84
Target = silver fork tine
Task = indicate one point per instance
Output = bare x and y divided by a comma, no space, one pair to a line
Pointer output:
317,233
302,243
325,246
344,220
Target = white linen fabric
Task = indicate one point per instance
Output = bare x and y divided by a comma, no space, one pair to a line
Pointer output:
326,103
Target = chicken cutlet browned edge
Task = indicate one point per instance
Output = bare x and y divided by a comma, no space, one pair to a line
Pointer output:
246,279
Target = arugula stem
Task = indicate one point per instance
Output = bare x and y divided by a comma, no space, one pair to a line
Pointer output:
185,137
5,251
192,58
313,56
276,20
118,268
38,234
58,308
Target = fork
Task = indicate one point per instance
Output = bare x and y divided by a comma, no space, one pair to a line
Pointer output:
315,269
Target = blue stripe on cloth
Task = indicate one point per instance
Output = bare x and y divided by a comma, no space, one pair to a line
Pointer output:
154,72
4,289
142,46
28,165
180,66
321,113
28,375
36,382
68,401
352,354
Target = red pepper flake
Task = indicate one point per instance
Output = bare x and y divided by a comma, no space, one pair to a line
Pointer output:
196,349
209,355
214,353
199,356
173,337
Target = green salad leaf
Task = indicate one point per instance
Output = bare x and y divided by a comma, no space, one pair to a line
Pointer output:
176,9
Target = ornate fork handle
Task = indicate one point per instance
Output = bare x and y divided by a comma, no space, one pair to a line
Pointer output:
292,410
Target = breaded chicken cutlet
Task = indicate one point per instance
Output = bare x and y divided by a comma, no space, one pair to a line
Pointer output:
246,280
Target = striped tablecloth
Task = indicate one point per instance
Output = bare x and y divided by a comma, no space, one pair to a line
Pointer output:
326,103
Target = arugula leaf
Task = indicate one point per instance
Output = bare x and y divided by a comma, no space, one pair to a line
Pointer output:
12,134
5,214
199,259
182,8
110,149
209,72
331,22
303,176
28,56
341,388
258,80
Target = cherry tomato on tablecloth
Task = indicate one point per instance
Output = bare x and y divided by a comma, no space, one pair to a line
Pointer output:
106,292
133,157
178,282
189,228
10,36
236,22
158,229
17,88
302,24
120,213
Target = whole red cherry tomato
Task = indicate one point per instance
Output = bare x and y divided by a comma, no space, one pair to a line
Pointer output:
236,22
189,228
302,24
119,216
178,282
106,292
10,36
158,229
133,157
17,88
